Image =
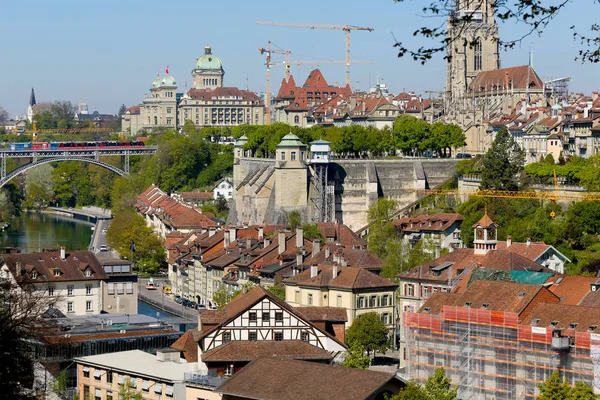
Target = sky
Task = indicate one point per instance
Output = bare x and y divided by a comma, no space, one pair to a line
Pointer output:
107,53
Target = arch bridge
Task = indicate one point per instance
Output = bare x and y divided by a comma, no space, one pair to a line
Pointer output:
90,155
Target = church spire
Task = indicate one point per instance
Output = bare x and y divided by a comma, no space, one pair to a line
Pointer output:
32,98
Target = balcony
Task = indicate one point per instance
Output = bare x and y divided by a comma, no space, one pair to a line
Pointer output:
203,379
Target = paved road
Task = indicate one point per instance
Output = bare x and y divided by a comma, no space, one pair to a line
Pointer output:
159,300
99,239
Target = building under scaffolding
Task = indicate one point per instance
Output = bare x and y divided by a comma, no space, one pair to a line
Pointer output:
557,88
491,355
322,191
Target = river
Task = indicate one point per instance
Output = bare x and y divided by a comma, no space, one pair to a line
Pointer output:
33,232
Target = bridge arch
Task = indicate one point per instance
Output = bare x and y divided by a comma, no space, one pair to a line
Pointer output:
23,168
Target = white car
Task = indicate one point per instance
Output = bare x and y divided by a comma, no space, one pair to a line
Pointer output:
104,231
103,247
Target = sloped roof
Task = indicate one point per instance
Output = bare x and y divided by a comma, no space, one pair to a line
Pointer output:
505,78
572,289
72,268
333,314
188,345
244,350
564,315
208,94
288,89
273,378
347,278
439,222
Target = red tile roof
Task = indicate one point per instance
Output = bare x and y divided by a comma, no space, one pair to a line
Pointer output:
243,350
347,278
288,89
563,315
425,222
188,345
506,78
208,94
333,314
571,289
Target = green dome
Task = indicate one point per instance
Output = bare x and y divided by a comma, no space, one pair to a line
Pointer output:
156,83
290,140
169,81
242,141
208,60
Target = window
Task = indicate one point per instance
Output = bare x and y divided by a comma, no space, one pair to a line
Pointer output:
426,292
158,388
297,296
98,374
34,274
477,55
226,337
339,300
129,287
305,336
278,316
278,336
146,385
120,288
88,272
57,272
252,336
88,305
296,119
265,316
283,156
121,379
293,156
360,302
51,291
310,299
111,288
252,316
169,390
70,290
109,377
70,306
86,372
109,395
229,369
88,290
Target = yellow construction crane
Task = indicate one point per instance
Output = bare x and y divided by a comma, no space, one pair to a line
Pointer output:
346,28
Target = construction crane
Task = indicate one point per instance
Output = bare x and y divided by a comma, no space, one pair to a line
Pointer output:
269,63
346,28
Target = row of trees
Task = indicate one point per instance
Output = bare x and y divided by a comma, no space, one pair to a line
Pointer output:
575,171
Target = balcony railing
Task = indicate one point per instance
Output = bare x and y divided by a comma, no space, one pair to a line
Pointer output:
202,379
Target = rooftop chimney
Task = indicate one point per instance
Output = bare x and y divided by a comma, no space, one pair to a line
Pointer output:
314,271
299,236
261,232
211,231
267,242
18,266
437,251
299,258
63,256
281,242
226,241
232,235
316,247
508,241
334,272
528,242
327,252
248,243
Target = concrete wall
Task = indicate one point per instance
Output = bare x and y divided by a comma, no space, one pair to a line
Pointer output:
357,184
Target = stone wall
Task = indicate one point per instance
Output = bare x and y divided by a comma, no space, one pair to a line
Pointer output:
357,184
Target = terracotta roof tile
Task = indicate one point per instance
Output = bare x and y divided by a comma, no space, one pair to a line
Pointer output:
334,314
505,78
564,315
273,378
571,289
187,345
347,278
243,350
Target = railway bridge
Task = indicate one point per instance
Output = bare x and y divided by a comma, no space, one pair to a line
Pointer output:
85,154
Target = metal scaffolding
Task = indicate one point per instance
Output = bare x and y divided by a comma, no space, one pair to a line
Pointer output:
322,194
488,354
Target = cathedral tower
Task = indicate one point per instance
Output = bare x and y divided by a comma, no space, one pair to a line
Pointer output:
472,47
32,103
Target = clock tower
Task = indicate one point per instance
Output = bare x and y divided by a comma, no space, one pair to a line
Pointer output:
486,235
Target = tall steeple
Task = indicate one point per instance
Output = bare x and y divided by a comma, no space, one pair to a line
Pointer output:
32,103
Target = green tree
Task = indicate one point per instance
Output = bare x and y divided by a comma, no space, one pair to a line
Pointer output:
381,229
502,163
222,296
294,220
554,388
311,231
369,332
122,110
127,391
60,385
438,386
581,391
278,290
397,259
561,159
189,128
356,357
64,111
549,159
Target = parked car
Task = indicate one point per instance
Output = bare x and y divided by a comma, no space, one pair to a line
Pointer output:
178,299
103,247
193,304
464,155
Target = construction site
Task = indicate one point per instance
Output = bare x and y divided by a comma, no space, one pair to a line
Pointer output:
491,355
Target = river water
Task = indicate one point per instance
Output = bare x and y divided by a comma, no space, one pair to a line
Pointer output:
33,232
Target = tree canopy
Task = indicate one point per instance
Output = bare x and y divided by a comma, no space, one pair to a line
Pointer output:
554,388
437,387
502,163
369,332
534,16
356,357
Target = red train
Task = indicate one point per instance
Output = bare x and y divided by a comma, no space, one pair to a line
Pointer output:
73,145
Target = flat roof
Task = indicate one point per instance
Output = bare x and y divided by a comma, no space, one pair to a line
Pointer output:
137,362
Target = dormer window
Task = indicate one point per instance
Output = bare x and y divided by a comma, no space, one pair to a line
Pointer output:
554,323
485,305
57,272
427,309
535,321
468,304
34,274
592,328
521,294
573,325
88,272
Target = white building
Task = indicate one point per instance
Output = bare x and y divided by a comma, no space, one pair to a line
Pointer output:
223,188
75,277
